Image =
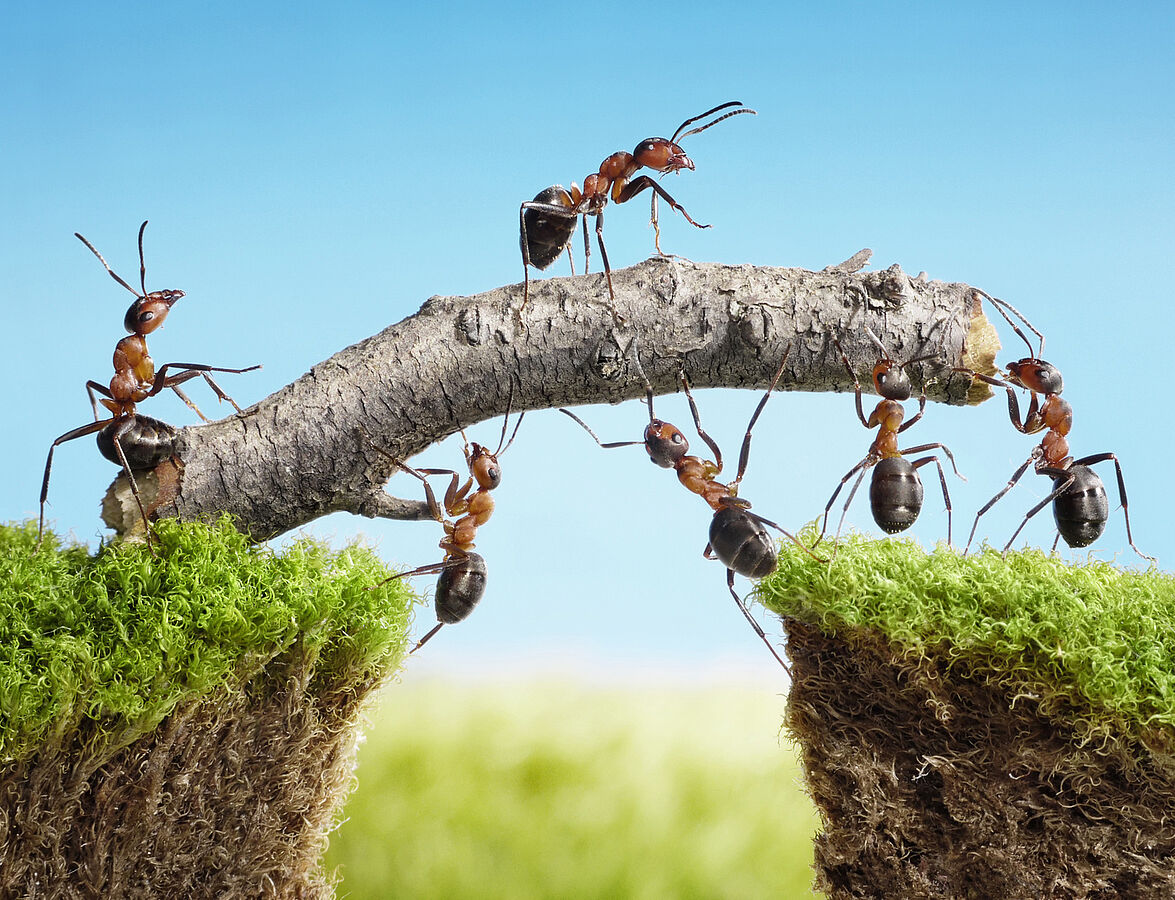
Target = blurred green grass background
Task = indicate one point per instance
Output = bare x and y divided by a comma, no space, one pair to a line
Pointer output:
537,789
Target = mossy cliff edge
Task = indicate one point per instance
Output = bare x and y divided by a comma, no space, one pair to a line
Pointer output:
983,727
182,726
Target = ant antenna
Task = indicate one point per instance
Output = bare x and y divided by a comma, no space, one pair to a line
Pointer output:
1000,306
114,274
678,135
142,261
886,354
505,419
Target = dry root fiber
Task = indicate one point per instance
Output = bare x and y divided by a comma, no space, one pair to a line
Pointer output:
934,784
231,796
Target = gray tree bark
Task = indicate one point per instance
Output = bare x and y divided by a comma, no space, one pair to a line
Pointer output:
299,454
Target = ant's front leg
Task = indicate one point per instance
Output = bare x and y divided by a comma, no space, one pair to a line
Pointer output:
644,182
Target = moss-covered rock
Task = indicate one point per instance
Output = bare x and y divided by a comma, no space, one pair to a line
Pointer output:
987,726
182,725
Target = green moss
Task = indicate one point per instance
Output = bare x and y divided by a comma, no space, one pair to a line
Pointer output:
117,639
1090,642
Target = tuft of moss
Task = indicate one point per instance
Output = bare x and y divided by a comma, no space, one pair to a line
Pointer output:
117,640
1091,642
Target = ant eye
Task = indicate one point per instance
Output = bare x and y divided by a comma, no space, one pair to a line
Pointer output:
678,437
146,316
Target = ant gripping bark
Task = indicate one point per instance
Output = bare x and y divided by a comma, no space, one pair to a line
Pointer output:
547,223
126,438
738,538
462,573
1080,506
895,490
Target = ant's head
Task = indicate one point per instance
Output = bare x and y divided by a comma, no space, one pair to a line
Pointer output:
891,381
665,444
148,313
1036,375
661,155
484,468
483,465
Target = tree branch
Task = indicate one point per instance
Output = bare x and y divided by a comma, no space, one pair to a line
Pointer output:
298,455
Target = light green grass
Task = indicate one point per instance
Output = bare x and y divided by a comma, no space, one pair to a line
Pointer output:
117,640
1095,644
561,791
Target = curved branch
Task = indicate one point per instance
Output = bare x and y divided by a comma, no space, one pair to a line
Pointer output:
297,454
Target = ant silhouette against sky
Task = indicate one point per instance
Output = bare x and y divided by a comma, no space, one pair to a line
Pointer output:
462,573
547,222
738,538
895,491
127,438
1080,505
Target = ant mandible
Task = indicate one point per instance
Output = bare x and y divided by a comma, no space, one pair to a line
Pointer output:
738,538
1080,506
895,490
127,438
547,222
462,573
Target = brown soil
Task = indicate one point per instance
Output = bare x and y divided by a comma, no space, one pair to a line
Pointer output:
934,784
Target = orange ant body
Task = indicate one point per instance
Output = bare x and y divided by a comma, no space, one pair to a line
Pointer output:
738,538
547,223
125,437
895,491
462,573
1080,506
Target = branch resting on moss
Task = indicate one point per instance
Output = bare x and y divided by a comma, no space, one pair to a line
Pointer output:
297,455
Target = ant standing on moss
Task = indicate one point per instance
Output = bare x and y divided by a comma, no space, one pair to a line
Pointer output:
895,490
1080,505
127,438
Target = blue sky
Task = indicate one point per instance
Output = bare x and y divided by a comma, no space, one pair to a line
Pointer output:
313,174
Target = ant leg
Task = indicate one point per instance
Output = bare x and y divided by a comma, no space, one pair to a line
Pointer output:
755,625
848,502
917,415
935,446
787,534
710,442
455,500
644,182
91,387
609,446
856,384
430,569
865,463
745,452
424,640
118,432
1016,476
90,428
1056,492
656,225
1103,457
191,370
942,479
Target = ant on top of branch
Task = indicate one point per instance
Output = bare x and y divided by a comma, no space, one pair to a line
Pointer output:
547,223
462,573
738,538
895,490
125,437
1078,497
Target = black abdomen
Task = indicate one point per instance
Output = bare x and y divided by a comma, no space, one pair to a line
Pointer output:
1081,512
548,234
895,493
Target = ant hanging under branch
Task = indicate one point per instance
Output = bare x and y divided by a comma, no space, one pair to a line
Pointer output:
895,491
125,437
547,223
1080,506
462,573
738,537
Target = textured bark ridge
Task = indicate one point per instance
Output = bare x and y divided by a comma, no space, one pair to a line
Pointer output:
298,454
933,784
229,797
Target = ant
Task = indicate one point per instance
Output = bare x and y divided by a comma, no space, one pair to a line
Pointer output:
127,438
462,573
547,222
738,538
895,490
1080,505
